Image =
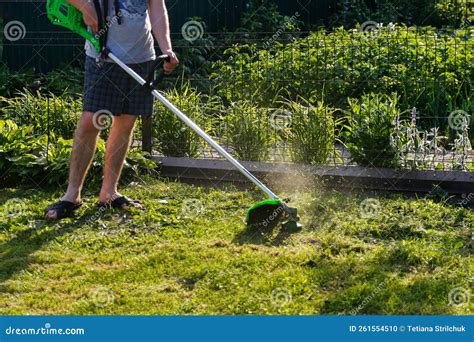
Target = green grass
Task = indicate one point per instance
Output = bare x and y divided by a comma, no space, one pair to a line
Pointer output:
190,253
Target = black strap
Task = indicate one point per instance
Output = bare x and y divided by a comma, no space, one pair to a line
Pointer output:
102,19
117,12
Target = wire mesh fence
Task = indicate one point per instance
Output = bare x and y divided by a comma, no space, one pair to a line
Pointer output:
374,95
396,97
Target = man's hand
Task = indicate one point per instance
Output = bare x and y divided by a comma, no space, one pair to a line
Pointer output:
172,64
88,11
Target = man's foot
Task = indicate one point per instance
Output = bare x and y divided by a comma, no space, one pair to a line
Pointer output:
62,209
120,202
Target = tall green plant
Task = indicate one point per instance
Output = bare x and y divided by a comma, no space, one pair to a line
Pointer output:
173,138
429,69
312,133
47,114
371,129
247,130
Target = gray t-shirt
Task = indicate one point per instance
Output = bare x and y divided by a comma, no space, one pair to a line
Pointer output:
132,41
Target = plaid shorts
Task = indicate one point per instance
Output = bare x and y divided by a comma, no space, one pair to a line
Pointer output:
110,88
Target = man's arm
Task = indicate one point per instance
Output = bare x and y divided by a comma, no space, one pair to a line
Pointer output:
88,11
161,29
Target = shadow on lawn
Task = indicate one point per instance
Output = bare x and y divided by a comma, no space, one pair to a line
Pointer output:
17,254
274,236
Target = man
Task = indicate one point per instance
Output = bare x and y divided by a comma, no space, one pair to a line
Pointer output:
107,88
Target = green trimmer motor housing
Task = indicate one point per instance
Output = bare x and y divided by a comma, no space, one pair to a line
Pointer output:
62,14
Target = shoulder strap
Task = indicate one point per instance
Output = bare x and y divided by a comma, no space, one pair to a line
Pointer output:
102,18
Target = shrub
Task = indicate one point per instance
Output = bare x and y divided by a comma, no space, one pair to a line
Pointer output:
26,157
312,133
65,80
261,21
411,12
173,137
196,59
371,129
247,131
12,82
47,114
429,69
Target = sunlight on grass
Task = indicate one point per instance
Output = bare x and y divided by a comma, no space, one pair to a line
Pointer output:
190,253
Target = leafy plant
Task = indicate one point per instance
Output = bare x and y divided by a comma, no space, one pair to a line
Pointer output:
13,82
26,157
172,136
262,21
411,12
333,66
371,128
312,133
65,80
196,58
246,129
47,114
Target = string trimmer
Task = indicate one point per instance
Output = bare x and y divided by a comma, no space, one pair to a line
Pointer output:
265,214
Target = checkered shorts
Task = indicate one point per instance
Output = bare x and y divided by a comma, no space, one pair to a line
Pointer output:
111,88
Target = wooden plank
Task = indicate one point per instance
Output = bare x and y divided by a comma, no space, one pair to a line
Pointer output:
351,178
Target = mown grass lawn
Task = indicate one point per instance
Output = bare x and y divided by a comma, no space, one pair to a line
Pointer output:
190,253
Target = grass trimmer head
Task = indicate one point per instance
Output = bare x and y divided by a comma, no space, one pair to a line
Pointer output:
268,214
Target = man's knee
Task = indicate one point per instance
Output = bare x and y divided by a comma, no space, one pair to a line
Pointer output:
86,125
124,123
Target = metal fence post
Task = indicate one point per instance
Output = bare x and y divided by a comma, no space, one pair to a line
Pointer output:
147,135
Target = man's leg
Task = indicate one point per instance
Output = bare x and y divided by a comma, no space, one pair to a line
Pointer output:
85,143
118,143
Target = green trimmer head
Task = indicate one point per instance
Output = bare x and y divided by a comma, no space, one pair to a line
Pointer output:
270,213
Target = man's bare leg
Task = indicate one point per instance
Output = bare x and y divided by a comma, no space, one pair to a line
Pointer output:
85,143
118,143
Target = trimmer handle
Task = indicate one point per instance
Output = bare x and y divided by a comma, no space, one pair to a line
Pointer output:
151,81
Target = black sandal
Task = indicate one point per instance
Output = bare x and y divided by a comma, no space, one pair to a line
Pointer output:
120,202
63,209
